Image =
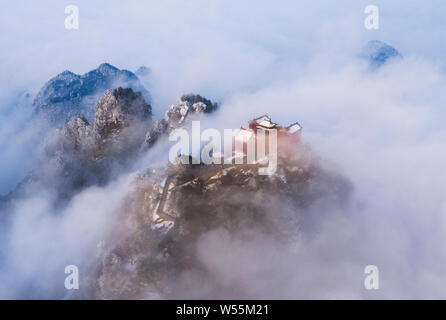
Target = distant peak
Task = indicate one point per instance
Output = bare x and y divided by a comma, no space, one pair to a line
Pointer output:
67,72
376,46
378,52
107,66
68,93
67,75
143,71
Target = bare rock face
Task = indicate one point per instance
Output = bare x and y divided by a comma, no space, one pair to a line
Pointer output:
121,119
186,108
143,71
84,153
78,134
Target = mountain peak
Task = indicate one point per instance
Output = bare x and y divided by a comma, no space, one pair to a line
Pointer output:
106,67
187,106
119,108
69,94
378,53
196,99
143,71
67,72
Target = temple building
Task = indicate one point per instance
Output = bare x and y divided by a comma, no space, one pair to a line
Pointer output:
285,135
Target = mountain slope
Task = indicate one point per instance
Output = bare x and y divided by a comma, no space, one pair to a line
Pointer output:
176,212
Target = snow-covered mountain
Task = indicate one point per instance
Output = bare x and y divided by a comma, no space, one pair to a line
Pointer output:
69,94
378,53
105,125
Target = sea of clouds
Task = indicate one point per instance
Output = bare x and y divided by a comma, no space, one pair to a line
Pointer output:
383,130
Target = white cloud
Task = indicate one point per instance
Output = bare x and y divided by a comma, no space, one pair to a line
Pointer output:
294,61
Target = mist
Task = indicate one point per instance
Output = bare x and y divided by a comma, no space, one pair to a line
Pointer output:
381,130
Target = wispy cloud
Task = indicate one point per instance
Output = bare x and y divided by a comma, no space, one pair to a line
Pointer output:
382,130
